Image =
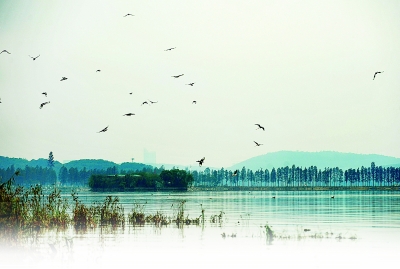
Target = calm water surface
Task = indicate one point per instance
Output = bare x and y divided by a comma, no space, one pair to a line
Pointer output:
352,229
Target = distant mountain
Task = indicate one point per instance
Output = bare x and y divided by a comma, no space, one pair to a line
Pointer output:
320,159
90,164
6,162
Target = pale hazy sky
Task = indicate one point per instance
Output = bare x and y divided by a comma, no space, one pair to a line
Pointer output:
302,69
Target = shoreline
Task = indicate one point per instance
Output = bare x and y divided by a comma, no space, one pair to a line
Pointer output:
254,188
299,188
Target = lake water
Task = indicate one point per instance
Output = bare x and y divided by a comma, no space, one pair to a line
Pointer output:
351,230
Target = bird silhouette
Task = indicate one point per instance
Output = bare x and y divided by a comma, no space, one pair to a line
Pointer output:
103,130
177,76
43,104
130,92
63,78
128,114
170,49
44,93
332,197
260,127
144,103
257,144
190,84
194,102
34,58
4,51
152,102
201,161
129,14
235,173
376,73
98,70
0,100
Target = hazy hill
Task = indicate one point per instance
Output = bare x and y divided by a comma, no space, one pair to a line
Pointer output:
99,164
90,164
6,162
320,159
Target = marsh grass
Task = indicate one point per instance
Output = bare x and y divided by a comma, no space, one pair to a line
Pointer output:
112,212
179,216
137,216
217,218
24,214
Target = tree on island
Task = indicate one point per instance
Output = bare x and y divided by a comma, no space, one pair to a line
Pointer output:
176,178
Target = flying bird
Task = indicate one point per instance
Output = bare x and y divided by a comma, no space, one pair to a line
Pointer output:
177,76
257,144
144,103
43,104
153,102
0,100
194,102
4,51
260,127
44,93
130,93
34,58
63,78
128,114
129,14
170,49
235,173
98,70
190,84
104,130
201,161
377,72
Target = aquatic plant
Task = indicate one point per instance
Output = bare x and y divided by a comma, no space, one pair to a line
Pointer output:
112,213
81,215
217,218
158,219
57,210
137,216
180,215
12,208
269,233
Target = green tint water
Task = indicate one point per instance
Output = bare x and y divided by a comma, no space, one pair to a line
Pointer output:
351,229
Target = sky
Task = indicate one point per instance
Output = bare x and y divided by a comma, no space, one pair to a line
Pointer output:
302,69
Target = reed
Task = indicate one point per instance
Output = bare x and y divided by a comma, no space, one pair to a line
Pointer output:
158,219
269,233
112,212
137,216
217,218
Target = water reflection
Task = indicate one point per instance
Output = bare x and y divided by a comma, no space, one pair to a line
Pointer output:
311,226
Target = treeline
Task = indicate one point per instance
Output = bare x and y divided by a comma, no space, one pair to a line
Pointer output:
164,179
29,175
276,177
66,176
295,176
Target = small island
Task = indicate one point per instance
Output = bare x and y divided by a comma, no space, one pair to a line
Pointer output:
174,179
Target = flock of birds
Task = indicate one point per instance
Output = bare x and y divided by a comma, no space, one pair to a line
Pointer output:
105,129
201,161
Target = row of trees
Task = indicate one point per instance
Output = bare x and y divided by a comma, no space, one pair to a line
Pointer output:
174,178
298,176
283,176
30,175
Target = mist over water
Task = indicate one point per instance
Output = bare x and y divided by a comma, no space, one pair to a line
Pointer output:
351,229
